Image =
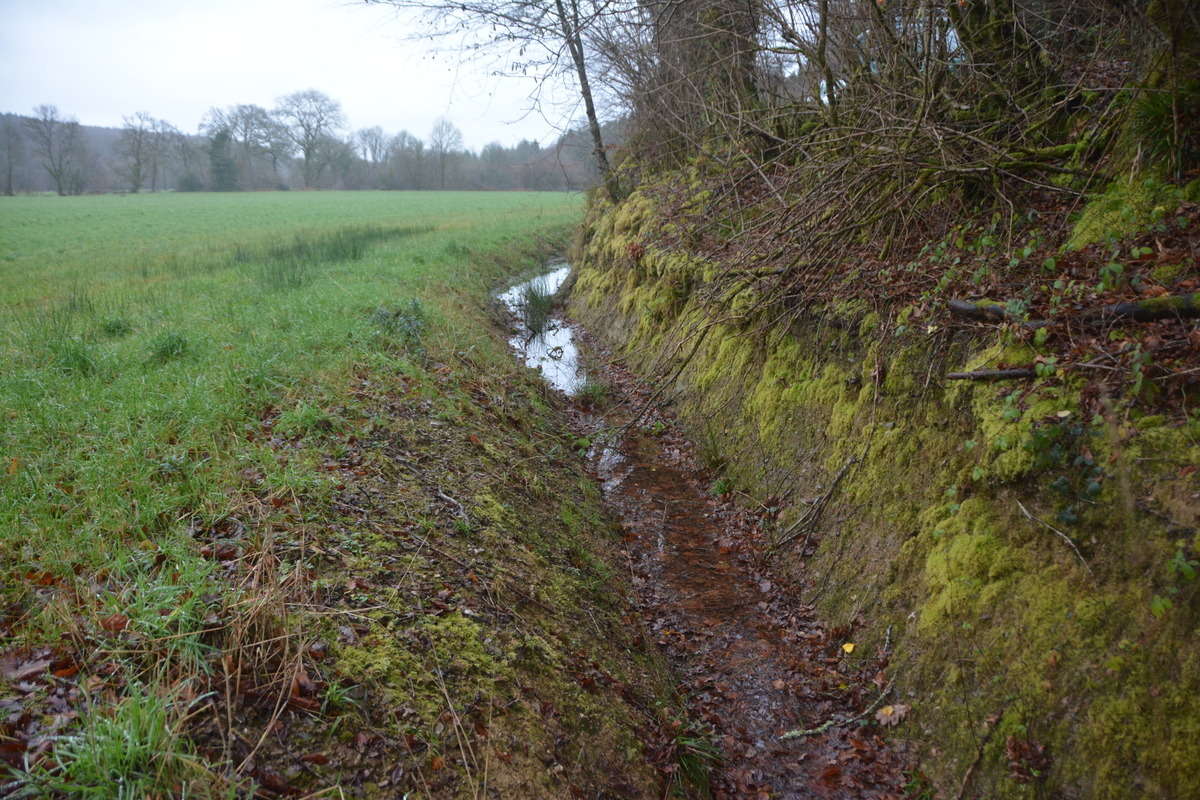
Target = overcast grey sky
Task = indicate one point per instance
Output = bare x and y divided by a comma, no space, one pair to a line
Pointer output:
101,59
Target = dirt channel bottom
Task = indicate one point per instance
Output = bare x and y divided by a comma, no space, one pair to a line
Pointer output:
753,662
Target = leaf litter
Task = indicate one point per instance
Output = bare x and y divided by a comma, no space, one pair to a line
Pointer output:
753,661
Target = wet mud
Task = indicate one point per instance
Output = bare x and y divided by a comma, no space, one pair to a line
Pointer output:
754,664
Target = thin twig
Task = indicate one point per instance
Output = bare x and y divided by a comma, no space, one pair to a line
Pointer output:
462,511
809,521
962,792
1065,538
992,375
797,734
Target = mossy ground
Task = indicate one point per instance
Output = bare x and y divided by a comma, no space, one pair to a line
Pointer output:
473,633
1002,631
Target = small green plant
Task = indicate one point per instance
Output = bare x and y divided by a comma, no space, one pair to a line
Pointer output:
721,486
593,392
696,755
406,325
1062,446
1182,568
918,787
168,347
1181,565
1016,307
656,428
535,306
133,751
1111,275
1012,410
339,697
1138,364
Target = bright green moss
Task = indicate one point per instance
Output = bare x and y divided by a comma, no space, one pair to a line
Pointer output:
990,612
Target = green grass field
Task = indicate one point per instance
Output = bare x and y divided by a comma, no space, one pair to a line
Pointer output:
141,333
163,359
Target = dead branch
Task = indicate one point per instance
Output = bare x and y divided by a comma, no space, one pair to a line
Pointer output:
797,734
1183,306
993,375
807,523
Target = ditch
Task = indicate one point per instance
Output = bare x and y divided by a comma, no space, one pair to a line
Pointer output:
781,705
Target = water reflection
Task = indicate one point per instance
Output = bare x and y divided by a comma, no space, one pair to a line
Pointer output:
552,351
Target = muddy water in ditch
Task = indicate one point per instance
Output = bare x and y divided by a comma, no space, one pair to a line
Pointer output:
753,663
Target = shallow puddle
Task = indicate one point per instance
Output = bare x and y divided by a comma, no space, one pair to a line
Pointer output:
552,351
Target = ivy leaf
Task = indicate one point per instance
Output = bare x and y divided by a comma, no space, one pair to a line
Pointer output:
1160,606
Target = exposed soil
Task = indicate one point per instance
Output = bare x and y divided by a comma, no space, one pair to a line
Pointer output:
753,662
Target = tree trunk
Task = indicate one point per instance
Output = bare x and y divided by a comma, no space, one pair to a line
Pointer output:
575,44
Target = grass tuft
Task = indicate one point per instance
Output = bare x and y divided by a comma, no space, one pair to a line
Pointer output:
73,357
536,304
169,346
406,325
135,751
116,327
308,420
593,392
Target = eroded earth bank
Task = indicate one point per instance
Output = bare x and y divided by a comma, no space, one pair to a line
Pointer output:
1009,558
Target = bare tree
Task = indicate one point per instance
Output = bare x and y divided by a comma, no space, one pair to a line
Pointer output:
310,118
59,141
162,139
256,137
135,150
187,154
12,149
373,143
544,37
444,140
407,156
340,157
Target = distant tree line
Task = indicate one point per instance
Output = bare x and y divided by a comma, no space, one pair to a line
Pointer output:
301,143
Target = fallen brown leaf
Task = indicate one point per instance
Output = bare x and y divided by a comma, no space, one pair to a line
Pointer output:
115,623
891,715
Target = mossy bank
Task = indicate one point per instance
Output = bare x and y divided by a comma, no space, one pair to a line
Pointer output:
949,509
